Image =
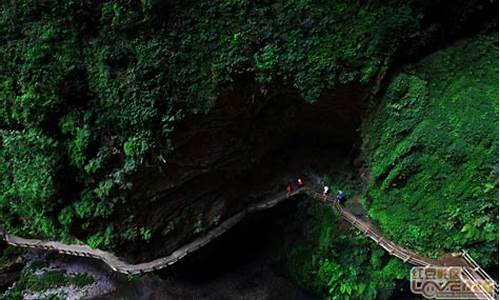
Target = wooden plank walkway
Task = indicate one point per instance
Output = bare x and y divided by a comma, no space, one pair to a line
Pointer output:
121,266
369,230
472,275
475,276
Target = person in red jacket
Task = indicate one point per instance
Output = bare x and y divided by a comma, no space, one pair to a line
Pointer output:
289,188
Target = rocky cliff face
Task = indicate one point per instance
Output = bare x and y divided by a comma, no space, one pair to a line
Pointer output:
95,88
238,153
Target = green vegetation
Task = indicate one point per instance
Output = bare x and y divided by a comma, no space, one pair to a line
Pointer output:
433,153
337,261
340,263
51,297
45,281
8,253
52,279
135,277
91,90
432,148
343,177
198,225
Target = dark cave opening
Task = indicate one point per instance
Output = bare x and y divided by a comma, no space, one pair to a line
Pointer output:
254,252
252,238
251,152
244,150
249,258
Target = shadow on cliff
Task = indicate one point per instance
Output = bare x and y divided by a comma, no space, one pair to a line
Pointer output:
248,262
244,150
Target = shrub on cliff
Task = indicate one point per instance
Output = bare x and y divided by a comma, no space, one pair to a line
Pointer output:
90,90
433,153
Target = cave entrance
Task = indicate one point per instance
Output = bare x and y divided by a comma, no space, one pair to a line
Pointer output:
244,150
284,138
288,138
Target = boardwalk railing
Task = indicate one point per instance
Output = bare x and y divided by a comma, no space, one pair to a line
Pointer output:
118,265
474,275
478,281
369,231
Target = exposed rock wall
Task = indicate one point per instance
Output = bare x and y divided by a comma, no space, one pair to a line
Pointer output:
230,157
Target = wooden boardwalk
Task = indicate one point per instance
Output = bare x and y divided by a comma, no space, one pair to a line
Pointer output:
370,231
474,274
121,266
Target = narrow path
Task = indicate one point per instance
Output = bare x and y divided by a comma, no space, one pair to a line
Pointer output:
473,276
370,231
121,266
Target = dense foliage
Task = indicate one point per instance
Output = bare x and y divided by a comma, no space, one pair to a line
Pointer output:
90,90
341,263
432,148
433,153
335,260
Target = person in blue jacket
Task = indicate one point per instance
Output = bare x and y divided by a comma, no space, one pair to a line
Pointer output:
340,197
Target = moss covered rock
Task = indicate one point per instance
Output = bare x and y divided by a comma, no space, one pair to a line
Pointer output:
432,148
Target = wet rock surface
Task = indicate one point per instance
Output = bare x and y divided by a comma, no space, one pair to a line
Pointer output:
36,284
11,265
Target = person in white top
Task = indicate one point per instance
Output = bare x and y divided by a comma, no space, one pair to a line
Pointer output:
325,190
300,182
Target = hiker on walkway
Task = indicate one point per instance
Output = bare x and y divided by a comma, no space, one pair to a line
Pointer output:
289,188
326,189
300,182
340,197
